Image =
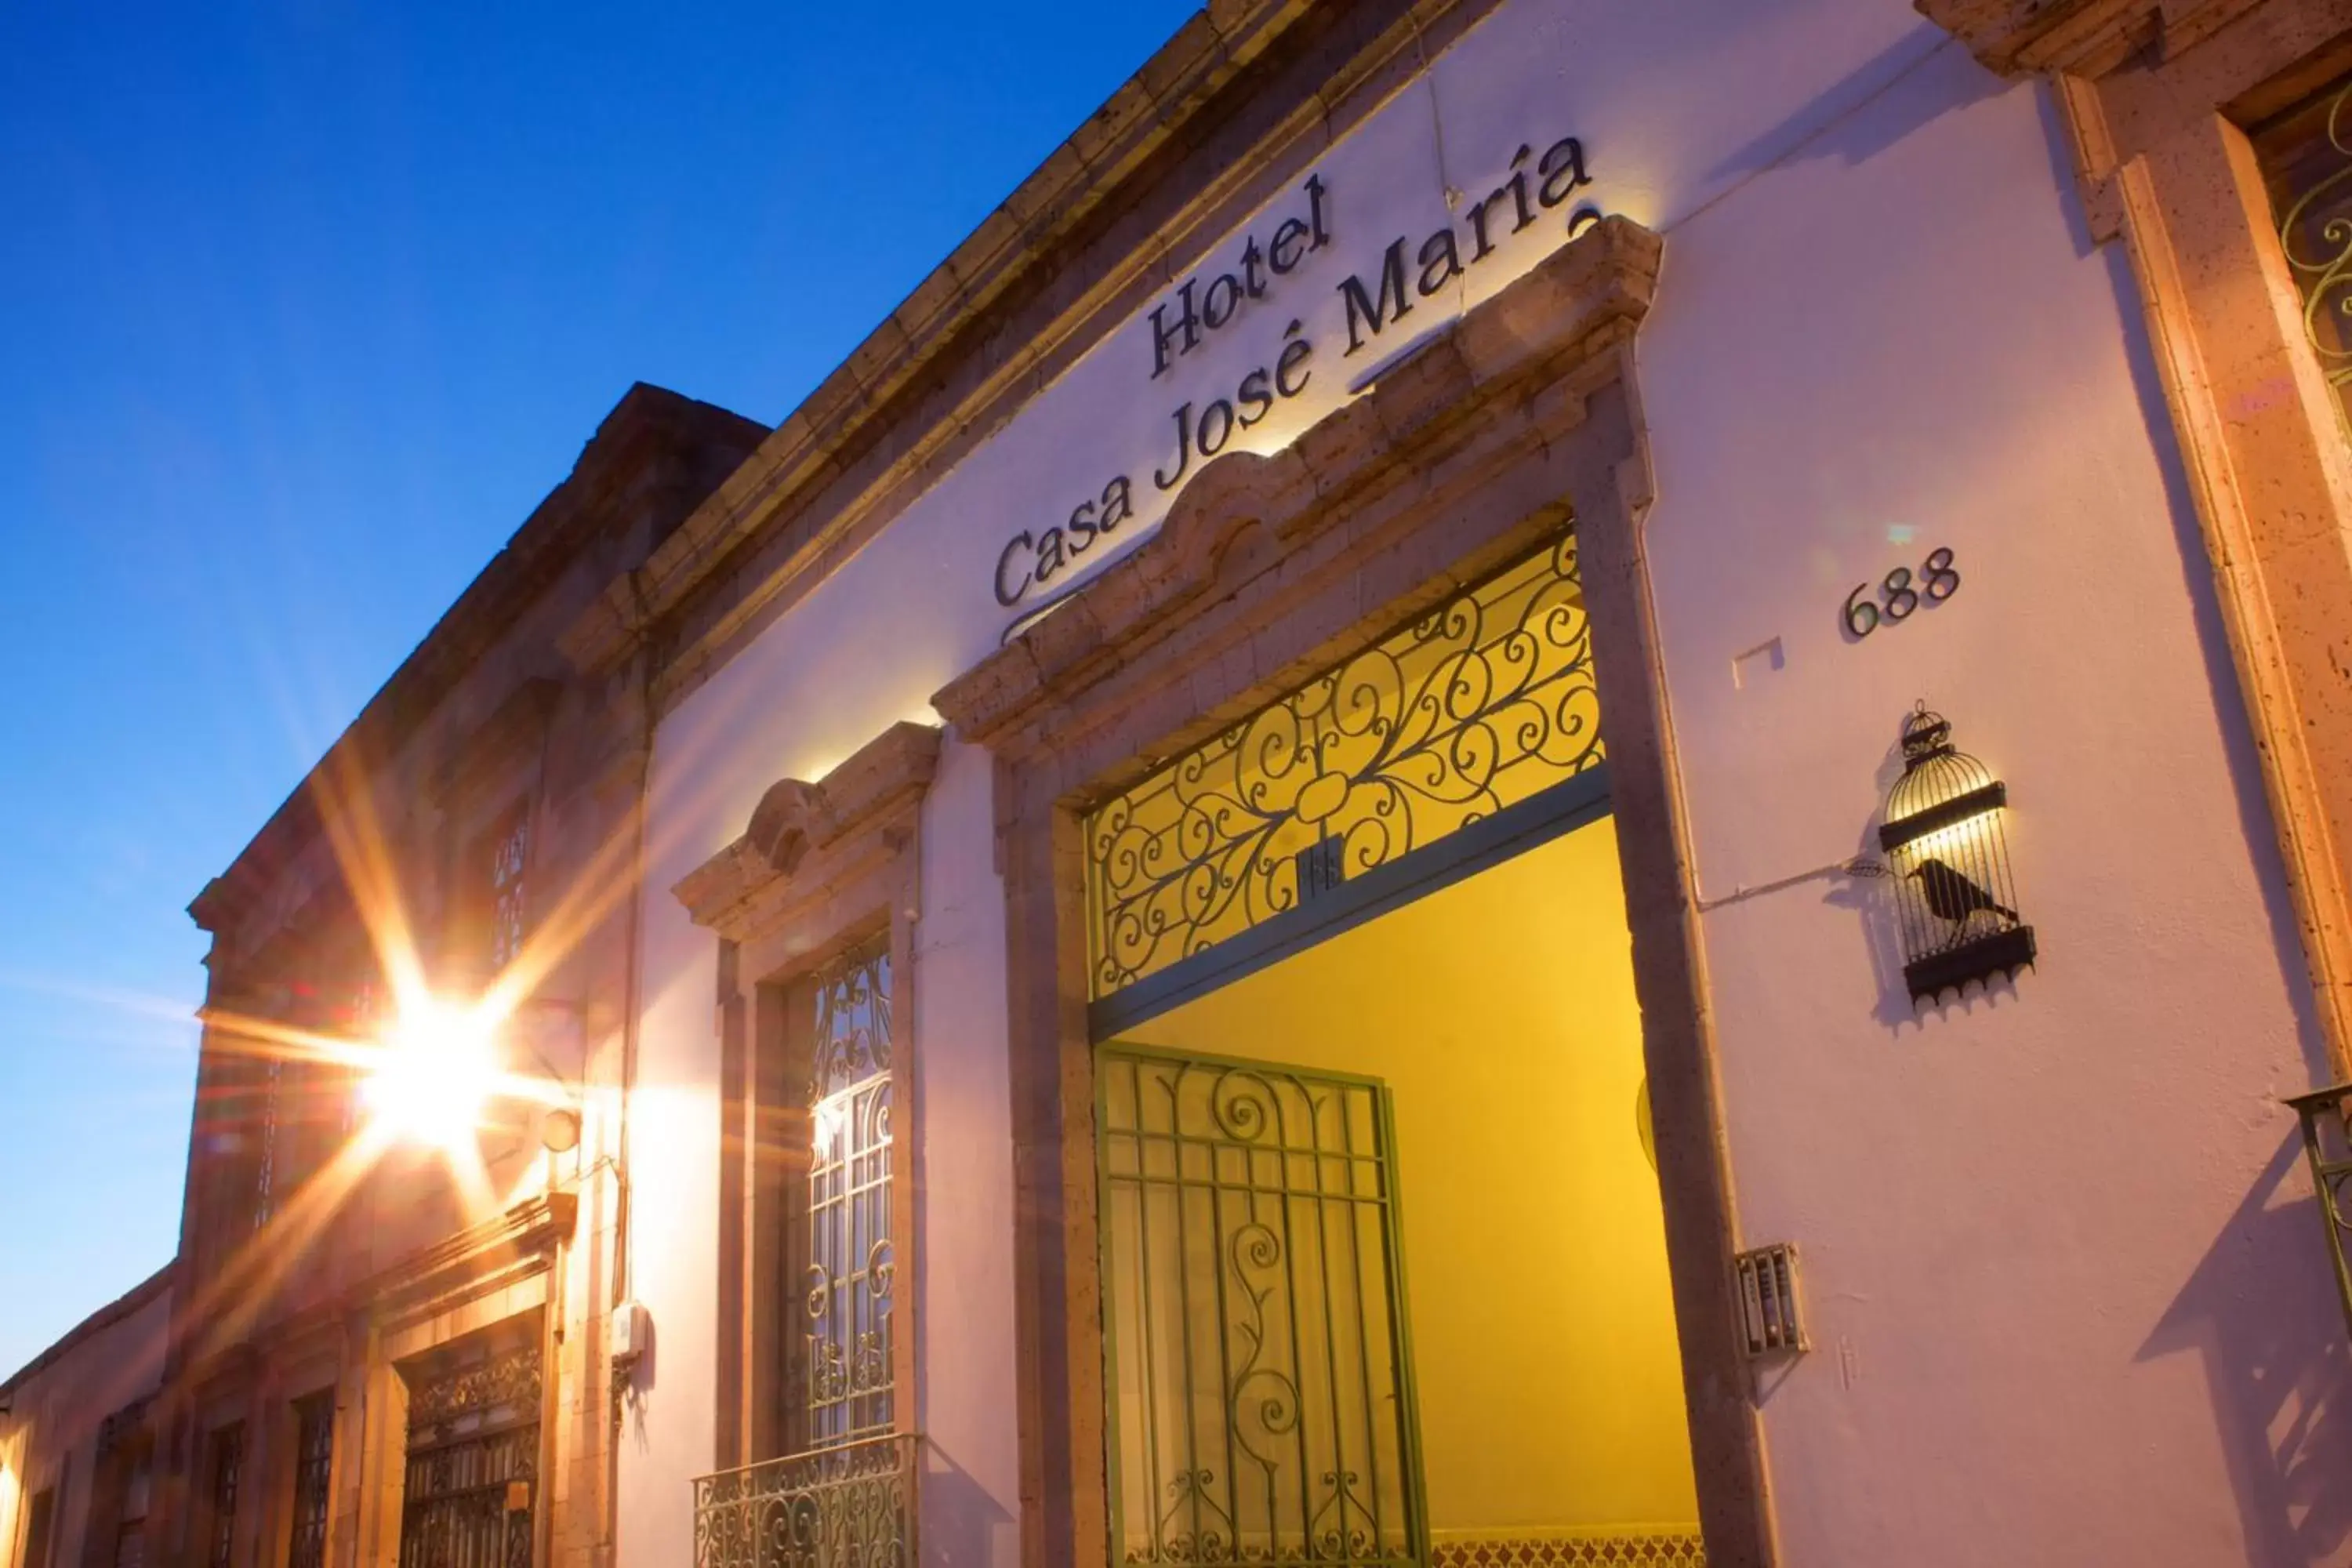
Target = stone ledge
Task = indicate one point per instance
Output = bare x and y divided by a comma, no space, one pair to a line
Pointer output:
2079,37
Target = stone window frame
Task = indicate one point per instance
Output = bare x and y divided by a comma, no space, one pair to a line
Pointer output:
1459,460
503,1275
821,868
2156,97
38,1548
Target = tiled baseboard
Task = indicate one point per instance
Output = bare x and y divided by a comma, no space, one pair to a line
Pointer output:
1639,1546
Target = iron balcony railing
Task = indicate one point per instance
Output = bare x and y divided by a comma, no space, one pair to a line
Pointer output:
846,1507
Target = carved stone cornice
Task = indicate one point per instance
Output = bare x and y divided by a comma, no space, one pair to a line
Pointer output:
502,1250
2080,37
1573,309
516,1241
804,839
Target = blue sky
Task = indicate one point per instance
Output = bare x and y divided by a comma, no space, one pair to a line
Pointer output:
303,306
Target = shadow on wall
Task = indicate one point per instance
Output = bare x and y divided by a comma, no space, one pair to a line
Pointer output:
632,1390
2261,1310
1830,124
2257,827
964,1526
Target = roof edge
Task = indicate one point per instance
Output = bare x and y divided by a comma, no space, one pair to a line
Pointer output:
549,533
106,1317
1158,106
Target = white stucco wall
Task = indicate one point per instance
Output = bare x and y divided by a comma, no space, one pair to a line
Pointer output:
2045,1249
2061,1303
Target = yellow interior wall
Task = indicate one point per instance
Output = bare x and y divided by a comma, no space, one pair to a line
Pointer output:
1500,1013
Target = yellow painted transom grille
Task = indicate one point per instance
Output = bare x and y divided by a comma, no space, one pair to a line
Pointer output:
1471,708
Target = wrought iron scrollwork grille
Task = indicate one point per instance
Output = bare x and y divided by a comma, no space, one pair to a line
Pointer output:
848,1273
2307,158
1262,1399
1470,708
472,1463
314,1465
846,1507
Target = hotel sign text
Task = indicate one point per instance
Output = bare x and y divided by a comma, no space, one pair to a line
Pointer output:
1206,303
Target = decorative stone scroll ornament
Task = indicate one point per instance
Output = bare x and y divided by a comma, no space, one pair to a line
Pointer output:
806,839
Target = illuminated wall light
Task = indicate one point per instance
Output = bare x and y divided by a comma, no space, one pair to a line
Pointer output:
1947,849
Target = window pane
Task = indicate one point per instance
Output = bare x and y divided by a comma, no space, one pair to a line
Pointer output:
846,1284
228,1466
314,1459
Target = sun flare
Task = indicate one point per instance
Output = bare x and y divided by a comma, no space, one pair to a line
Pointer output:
434,1073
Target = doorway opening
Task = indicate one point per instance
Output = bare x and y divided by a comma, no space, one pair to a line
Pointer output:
1384,1267
470,1476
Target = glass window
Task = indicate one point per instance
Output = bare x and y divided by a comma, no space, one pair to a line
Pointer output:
846,1262
510,851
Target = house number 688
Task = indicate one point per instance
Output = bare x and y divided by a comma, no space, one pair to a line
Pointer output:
1899,594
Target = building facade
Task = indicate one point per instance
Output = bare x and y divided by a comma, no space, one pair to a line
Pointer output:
1321,777
383,1351
1530,782
78,1459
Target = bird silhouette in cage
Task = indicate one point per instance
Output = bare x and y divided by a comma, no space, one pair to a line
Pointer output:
1952,897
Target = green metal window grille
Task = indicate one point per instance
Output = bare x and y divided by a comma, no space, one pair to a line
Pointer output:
1470,708
1255,1343
846,1285
2307,160
314,1463
228,1469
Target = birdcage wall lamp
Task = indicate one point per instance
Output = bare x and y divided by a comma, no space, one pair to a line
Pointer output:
1944,835
2327,1115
